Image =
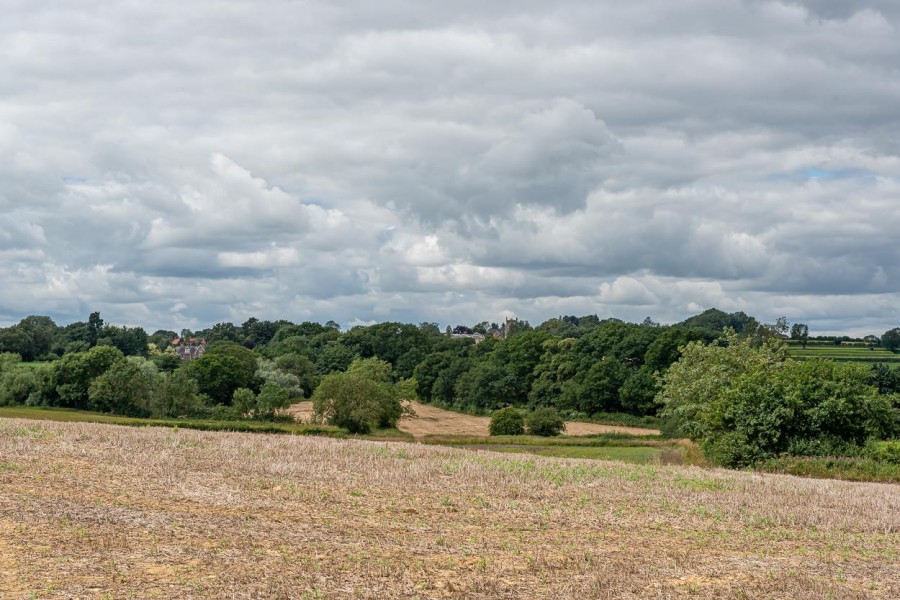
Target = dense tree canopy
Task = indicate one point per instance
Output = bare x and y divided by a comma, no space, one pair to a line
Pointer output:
744,402
721,379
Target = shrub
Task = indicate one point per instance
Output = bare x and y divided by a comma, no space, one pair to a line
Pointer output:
507,421
271,399
887,451
243,401
16,384
545,422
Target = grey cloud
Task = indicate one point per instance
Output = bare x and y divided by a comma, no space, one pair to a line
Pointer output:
843,9
198,161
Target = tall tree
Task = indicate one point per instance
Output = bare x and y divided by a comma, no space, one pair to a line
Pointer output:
800,332
890,339
95,327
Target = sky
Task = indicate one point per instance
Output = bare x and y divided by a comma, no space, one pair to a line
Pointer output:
178,164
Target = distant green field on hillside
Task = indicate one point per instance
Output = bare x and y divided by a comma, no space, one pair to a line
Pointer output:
845,354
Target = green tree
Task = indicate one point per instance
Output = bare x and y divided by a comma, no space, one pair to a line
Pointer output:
94,328
800,333
132,341
220,373
224,332
638,393
545,422
507,421
17,383
596,390
162,338
704,371
176,395
302,368
428,371
350,401
372,368
885,379
71,376
443,389
268,372
393,405
890,339
666,348
554,369
744,402
16,340
716,321
243,402
333,357
271,399
362,398
126,388
167,361
43,333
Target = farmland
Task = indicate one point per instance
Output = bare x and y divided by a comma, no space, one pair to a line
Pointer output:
95,510
845,354
431,420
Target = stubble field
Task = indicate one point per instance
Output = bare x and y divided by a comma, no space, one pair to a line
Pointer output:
94,511
431,420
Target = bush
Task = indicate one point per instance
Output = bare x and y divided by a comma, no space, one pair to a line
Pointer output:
887,451
17,385
243,402
507,421
545,422
855,468
271,399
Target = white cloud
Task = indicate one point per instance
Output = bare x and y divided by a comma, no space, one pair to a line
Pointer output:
626,290
450,162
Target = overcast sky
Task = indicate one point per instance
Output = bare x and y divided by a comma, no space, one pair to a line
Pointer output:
179,163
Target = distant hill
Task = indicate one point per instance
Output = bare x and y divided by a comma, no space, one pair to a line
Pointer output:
716,320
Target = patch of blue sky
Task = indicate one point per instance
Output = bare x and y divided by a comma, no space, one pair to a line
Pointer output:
821,174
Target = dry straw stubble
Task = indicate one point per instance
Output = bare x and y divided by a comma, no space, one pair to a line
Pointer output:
91,510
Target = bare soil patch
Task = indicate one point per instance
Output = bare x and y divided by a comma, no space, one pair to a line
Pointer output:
431,420
94,511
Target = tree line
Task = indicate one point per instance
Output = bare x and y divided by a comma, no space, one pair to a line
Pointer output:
580,367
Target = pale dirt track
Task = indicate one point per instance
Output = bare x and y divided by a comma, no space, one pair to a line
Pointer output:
101,511
430,420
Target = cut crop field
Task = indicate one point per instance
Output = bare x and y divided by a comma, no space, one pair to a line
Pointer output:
103,511
431,420
845,354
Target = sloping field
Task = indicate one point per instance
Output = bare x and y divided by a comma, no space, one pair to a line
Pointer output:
104,511
431,420
845,354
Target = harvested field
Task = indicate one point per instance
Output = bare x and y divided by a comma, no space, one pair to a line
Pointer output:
431,420
97,511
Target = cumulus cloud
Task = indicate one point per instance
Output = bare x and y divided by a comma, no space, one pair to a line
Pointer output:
179,163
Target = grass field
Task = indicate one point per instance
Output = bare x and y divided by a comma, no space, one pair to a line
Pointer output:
101,511
631,454
846,354
32,365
